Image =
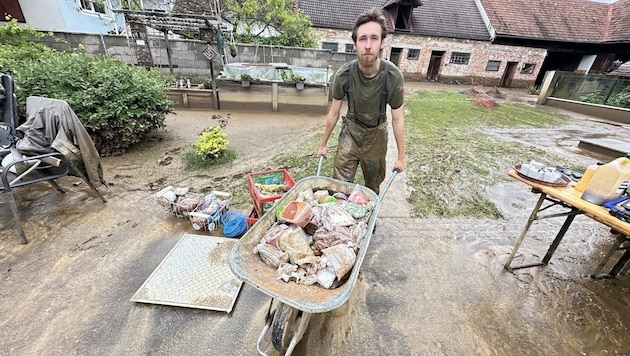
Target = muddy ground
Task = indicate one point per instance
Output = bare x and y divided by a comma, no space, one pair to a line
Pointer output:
428,286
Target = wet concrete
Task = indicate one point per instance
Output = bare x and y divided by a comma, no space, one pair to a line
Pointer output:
428,286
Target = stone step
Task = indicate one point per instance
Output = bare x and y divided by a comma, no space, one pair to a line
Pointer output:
608,147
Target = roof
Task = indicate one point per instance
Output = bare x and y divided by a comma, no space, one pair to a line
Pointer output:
437,18
619,29
622,71
560,20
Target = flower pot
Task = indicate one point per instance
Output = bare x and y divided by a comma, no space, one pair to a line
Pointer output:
299,85
245,83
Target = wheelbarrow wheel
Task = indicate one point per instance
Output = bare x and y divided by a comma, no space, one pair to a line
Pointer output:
283,326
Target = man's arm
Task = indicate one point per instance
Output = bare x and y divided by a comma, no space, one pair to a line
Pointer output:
331,122
398,124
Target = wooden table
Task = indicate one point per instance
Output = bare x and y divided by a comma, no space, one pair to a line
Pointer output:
569,198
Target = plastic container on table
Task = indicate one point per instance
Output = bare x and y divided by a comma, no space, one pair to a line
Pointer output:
606,182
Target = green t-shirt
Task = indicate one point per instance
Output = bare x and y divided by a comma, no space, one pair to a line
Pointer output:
367,91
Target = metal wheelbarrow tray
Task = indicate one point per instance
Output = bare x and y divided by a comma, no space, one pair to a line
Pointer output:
247,265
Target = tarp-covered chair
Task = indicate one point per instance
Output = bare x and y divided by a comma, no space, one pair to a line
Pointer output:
52,143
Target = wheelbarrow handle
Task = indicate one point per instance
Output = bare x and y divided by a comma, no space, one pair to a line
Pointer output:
389,182
319,165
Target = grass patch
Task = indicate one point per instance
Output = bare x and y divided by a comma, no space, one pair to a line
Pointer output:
451,161
194,161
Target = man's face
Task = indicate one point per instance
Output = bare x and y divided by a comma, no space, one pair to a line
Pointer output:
369,43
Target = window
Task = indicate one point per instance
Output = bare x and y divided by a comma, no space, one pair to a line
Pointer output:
350,48
98,6
528,68
493,66
413,53
331,46
403,18
460,58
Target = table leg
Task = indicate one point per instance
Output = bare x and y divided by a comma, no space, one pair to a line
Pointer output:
559,236
619,240
519,241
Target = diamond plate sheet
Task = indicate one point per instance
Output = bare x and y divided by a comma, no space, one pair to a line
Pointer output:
194,274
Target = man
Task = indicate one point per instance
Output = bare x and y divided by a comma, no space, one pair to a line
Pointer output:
370,84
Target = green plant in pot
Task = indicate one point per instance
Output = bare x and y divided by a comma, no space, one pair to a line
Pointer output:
246,80
299,83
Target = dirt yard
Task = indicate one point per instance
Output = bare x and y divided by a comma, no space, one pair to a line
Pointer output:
428,286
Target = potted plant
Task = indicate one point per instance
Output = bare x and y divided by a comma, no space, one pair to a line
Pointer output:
299,83
246,80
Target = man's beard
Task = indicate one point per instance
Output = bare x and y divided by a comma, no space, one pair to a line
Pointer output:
368,61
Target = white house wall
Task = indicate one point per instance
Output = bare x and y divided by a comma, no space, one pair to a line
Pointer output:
66,15
474,72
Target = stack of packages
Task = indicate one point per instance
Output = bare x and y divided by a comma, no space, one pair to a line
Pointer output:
316,237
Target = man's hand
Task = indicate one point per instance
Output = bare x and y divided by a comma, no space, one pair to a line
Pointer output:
322,152
400,165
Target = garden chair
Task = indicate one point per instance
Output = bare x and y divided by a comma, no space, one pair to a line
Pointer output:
28,159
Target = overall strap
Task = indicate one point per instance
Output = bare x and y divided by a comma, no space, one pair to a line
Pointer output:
384,93
350,90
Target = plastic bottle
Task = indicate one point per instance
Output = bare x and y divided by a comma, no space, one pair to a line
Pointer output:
586,178
606,181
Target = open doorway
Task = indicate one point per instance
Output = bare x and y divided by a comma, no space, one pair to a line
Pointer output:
394,55
508,74
434,65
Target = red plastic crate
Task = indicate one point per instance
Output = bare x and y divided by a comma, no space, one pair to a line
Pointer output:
263,202
252,217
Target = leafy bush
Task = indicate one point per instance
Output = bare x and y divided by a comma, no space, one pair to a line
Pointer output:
594,97
210,149
211,143
533,89
621,99
118,104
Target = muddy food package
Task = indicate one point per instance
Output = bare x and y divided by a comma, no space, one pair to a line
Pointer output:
357,196
271,255
273,232
341,258
294,242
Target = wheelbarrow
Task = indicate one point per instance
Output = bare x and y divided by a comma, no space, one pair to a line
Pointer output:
293,304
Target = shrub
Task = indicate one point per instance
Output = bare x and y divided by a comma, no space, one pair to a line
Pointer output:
621,99
118,104
210,149
211,143
594,98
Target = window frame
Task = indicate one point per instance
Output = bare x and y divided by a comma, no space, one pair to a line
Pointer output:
350,48
528,68
336,44
413,53
459,58
89,6
493,61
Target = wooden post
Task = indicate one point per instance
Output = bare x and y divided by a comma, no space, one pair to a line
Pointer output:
168,52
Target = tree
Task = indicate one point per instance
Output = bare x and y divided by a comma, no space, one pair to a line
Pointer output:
274,22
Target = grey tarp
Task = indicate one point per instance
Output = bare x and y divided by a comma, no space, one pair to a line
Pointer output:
51,124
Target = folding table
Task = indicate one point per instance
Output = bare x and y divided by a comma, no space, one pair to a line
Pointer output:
569,198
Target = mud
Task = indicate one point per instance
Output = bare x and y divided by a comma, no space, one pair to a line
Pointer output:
428,286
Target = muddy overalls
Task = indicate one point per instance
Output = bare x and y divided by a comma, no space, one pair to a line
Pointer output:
362,144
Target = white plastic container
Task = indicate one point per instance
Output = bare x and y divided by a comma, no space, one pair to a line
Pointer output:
606,183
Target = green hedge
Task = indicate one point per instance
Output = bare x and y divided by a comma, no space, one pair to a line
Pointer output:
118,104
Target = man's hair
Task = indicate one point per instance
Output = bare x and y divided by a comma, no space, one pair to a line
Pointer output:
371,15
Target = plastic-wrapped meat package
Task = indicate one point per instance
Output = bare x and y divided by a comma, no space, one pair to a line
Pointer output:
324,238
294,242
341,258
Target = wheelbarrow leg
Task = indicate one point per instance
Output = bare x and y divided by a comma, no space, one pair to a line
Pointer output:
285,326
